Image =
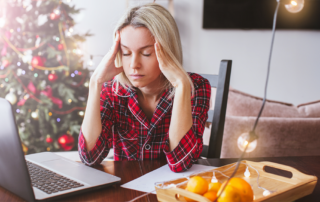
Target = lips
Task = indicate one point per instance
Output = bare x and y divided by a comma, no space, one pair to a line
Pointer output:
136,76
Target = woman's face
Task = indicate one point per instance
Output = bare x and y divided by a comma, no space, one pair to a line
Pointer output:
139,59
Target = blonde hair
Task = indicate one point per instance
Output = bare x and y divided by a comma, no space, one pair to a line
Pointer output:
163,27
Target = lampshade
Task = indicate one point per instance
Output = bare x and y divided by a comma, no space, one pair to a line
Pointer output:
295,6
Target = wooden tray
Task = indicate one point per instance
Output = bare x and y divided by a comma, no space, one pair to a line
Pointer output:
286,189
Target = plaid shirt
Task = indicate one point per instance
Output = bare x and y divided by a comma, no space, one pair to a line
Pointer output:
133,137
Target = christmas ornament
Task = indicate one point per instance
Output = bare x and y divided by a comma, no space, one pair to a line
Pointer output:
24,148
48,92
35,115
49,139
54,16
4,64
11,97
37,61
52,77
66,142
60,46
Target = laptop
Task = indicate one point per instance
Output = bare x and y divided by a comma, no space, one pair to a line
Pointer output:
41,176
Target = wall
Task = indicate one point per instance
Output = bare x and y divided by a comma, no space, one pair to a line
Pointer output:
295,67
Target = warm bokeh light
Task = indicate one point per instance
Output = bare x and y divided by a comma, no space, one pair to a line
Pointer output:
62,140
243,141
295,6
294,3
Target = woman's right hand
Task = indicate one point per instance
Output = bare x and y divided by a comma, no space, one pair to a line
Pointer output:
106,70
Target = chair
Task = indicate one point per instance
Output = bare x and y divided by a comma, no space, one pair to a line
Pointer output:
217,116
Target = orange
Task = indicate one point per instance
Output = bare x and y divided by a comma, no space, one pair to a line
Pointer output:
188,199
230,194
236,187
211,195
197,185
214,186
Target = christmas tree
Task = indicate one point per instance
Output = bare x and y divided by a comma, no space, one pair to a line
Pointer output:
42,72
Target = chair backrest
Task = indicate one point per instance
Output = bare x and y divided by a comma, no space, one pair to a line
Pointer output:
217,116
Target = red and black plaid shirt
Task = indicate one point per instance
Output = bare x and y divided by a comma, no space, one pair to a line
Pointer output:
133,137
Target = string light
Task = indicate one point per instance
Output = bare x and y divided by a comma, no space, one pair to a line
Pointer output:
214,178
18,110
50,113
81,113
247,172
243,141
35,75
72,75
58,119
86,84
69,100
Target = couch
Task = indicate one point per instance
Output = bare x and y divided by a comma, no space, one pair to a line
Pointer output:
283,129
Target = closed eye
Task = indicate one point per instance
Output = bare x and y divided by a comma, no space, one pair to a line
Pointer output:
143,55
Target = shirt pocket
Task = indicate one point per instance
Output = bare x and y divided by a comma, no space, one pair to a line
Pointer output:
128,143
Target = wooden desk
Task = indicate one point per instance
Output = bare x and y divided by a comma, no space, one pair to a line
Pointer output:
129,170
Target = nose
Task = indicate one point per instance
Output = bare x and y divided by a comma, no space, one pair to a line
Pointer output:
135,61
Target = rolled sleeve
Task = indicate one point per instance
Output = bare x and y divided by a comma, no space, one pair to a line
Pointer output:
104,142
96,155
183,155
190,146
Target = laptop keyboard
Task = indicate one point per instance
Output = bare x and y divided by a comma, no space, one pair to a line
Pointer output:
48,181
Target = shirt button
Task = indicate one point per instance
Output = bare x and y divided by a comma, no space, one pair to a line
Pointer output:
147,147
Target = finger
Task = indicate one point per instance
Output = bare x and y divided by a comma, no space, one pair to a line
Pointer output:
115,48
158,53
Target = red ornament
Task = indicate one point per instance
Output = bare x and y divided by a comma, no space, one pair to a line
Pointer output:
66,142
5,63
37,61
52,77
54,16
60,46
49,140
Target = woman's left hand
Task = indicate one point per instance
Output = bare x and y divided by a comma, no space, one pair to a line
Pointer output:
174,74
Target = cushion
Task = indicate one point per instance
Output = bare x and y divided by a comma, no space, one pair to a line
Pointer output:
243,104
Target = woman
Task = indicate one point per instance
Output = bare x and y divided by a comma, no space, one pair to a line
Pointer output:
141,101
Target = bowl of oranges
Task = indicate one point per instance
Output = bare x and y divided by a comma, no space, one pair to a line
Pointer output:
259,185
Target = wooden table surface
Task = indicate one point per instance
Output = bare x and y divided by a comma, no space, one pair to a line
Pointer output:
130,170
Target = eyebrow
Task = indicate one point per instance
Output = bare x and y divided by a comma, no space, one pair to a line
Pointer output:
139,48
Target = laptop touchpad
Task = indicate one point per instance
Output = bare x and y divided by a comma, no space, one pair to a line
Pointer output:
60,164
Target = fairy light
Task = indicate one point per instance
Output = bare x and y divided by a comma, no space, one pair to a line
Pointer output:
81,113
86,84
35,75
69,100
50,113
58,119
214,178
266,193
18,110
294,3
247,172
72,75
18,63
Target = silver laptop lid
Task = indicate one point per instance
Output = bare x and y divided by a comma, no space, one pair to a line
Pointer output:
14,175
